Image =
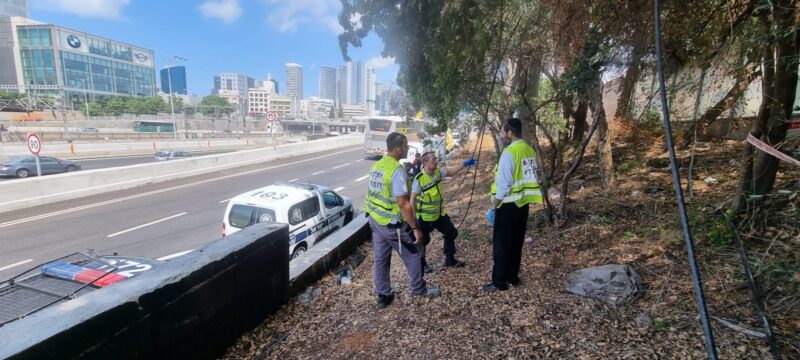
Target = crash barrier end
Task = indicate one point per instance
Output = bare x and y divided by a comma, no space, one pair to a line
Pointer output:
194,306
327,255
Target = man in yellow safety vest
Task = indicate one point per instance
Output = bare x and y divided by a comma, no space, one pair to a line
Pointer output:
392,221
427,194
515,186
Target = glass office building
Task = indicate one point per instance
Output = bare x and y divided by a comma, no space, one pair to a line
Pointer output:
84,65
177,75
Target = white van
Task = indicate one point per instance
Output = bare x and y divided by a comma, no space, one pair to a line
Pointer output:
312,212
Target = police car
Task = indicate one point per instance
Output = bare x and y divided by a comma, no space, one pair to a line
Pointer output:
312,212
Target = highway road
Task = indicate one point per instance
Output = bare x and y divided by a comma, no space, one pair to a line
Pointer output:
109,162
159,221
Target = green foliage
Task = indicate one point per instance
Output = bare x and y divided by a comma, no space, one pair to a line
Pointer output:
10,96
660,323
212,100
770,272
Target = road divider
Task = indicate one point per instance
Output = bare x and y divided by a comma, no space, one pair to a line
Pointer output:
41,190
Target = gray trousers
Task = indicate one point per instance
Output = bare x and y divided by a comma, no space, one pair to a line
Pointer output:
384,240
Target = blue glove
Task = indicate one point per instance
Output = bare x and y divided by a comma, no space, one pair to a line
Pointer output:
490,216
470,162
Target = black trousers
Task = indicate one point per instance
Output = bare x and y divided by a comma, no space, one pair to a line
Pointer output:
508,236
445,226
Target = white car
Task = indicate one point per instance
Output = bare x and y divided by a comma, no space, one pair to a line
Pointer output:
312,212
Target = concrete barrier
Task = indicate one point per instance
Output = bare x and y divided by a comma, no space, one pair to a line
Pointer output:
40,190
326,256
192,307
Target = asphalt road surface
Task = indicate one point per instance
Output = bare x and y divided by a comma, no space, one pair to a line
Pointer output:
159,221
109,162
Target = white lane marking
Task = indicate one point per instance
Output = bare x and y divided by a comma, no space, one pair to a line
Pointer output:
359,160
145,225
23,262
154,192
224,201
343,165
293,180
318,172
340,188
174,255
362,178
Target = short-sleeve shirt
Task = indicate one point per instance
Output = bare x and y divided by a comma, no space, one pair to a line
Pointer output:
415,188
400,182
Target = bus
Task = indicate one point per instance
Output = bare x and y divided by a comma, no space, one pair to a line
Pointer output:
378,128
153,126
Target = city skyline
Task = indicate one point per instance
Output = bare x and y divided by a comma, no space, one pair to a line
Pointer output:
252,38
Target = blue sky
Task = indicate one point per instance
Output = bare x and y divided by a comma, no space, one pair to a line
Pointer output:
252,37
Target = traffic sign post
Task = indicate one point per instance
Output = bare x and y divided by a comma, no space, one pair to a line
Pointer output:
34,144
271,117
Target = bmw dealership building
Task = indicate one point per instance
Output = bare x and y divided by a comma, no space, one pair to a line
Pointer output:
34,53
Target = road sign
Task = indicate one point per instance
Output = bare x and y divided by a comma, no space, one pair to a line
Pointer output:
271,116
34,144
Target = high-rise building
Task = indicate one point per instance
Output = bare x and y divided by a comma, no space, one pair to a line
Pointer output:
327,82
275,86
173,80
294,80
83,64
14,8
343,84
369,89
234,87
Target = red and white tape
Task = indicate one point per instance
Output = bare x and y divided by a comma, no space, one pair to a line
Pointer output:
771,150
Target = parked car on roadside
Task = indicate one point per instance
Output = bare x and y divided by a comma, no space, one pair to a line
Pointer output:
164,155
312,212
25,165
88,130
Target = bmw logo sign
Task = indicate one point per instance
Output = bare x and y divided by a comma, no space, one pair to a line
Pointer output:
73,41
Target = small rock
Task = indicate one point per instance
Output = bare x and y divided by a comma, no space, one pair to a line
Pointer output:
595,218
742,349
454,212
576,184
652,189
711,181
643,321
528,239
636,193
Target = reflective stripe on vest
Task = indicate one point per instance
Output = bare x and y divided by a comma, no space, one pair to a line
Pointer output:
429,202
379,202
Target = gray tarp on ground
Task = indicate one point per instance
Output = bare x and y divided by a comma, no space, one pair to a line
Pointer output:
612,284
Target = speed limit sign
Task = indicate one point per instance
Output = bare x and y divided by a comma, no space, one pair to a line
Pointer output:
34,144
271,116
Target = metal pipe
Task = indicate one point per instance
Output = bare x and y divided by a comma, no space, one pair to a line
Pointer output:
676,182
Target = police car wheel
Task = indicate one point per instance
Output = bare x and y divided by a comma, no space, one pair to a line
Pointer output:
299,250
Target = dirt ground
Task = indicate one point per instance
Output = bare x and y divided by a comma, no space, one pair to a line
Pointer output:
635,224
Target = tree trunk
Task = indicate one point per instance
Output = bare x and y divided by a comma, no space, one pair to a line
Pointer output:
628,84
779,85
579,115
605,161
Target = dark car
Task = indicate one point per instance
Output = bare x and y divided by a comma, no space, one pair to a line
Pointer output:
25,165
164,155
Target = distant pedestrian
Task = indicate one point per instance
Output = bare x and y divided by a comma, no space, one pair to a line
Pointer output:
515,186
392,221
3,132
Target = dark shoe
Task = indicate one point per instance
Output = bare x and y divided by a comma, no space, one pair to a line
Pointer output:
515,283
427,269
492,288
385,300
431,292
453,262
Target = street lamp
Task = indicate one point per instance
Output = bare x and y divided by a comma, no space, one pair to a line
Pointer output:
85,100
170,62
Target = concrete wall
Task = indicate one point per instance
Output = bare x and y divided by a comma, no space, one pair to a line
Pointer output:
192,307
40,190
